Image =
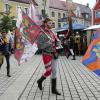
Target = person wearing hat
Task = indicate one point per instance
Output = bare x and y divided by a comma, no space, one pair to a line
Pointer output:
4,49
47,42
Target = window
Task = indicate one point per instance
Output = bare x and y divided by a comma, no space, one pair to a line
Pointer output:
7,8
26,10
53,14
78,14
87,16
97,14
44,2
18,7
59,25
59,15
53,25
64,24
64,15
43,12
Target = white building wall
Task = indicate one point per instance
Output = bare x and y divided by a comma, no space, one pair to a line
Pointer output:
55,19
56,11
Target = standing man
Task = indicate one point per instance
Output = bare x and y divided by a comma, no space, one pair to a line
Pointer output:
47,42
65,45
77,43
72,46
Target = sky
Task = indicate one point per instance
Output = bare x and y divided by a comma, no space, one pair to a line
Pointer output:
91,2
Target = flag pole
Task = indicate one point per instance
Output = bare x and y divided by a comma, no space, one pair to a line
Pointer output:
44,14
33,1
70,30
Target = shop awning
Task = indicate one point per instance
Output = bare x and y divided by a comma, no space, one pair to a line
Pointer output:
76,26
93,27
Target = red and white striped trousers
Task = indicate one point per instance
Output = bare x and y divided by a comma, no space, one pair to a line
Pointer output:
50,65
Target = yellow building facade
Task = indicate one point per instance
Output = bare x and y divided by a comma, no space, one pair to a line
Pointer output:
6,4
15,5
58,13
1,5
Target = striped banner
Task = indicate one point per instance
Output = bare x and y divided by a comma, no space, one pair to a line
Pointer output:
92,57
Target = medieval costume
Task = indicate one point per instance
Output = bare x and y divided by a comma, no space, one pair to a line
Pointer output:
47,42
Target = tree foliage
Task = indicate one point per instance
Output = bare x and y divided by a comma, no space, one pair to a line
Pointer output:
6,22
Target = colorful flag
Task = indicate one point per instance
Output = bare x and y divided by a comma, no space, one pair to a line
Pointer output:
24,50
29,28
29,51
91,59
19,45
26,33
19,17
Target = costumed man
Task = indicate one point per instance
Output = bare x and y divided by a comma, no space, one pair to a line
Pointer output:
66,46
4,49
47,42
77,42
72,46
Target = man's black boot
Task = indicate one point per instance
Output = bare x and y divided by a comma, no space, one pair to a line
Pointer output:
8,72
8,75
39,82
53,87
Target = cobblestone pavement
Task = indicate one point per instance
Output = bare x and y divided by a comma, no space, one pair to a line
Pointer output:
16,72
74,81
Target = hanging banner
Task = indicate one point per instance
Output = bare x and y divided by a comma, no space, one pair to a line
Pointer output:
92,57
26,34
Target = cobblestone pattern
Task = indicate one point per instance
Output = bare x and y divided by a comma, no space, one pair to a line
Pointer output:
74,81
16,71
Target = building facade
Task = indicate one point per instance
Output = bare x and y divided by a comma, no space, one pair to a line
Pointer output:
11,6
55,9
58,11
96,13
